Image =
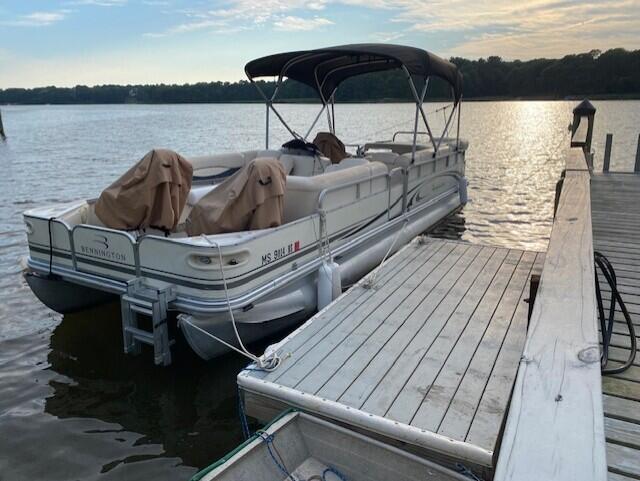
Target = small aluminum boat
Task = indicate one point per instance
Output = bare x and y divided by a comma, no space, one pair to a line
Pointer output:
340,221
298,446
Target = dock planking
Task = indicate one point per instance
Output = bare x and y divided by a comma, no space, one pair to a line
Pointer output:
615,209
428,356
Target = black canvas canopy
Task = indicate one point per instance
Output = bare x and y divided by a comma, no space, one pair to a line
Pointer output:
324,69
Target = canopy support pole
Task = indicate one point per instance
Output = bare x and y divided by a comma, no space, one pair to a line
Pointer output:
446,127
458,131
418,101
333,111
266,142
315,121
270,105
415,124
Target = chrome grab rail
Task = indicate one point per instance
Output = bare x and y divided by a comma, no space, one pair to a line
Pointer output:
323,194
405,132
357,182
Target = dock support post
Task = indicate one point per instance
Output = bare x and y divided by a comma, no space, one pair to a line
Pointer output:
556,200
2,135
582,136
534,282
637,166
607,154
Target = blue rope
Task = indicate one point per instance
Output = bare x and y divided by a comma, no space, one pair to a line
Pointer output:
334,471
244,424
268,439
462,469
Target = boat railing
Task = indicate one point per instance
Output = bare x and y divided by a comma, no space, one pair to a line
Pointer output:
324,194
354,183
555,427
406,132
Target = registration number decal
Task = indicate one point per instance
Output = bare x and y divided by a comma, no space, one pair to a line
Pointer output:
280,253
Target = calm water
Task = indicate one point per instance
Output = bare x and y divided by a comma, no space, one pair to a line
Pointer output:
72,406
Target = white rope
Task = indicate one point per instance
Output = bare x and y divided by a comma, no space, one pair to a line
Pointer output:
369,283
269,363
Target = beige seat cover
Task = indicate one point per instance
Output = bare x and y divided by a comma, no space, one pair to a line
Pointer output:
252,198
330,146
151,194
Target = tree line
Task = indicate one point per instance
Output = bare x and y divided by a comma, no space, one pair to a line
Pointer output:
614,73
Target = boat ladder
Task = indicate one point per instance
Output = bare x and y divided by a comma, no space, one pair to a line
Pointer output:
143,300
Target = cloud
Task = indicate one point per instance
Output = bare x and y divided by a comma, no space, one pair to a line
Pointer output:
511,29
238,15
297,24
517,29
38,19
99,3
386,37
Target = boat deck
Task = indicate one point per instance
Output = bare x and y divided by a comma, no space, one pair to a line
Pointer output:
615,208
426,357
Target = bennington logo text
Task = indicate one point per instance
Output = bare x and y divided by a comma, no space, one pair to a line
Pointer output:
103,250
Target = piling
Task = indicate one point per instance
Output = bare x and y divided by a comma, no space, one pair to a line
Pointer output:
2,135
582,136
534,283
607,153
637,166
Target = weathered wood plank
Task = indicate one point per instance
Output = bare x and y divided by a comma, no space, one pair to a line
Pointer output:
621,388
324,323
395,379
620,408
380,325
622,432
621,355
421,330
378,307
409,400
450,405
555,426
623,460
368,364
487,422
618,477
632,373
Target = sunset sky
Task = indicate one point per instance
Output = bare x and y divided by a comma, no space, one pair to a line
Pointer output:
68,42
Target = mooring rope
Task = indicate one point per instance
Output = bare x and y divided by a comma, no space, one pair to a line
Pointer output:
264,363
369,283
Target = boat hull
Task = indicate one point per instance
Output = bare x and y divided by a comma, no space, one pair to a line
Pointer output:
66,297
298,302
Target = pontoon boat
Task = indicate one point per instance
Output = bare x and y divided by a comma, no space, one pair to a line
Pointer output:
341,218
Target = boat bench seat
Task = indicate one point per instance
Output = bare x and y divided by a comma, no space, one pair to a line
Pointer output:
303,165
302,193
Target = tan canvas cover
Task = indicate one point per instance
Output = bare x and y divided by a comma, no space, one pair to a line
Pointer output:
151,194
330,146
252,198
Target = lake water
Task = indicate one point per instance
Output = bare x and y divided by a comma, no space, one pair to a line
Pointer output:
72,406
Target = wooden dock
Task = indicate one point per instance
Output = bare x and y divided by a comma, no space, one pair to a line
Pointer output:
442,358
615,207
426,357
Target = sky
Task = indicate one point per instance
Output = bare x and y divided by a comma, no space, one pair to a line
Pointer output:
90,42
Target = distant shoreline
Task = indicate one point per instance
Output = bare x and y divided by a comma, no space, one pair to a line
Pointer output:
374,101
610,75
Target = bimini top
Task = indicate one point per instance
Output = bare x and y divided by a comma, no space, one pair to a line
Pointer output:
324,69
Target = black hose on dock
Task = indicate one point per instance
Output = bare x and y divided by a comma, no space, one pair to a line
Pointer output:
606,323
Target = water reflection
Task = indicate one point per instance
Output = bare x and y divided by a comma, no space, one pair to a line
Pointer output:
73,406
187,411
